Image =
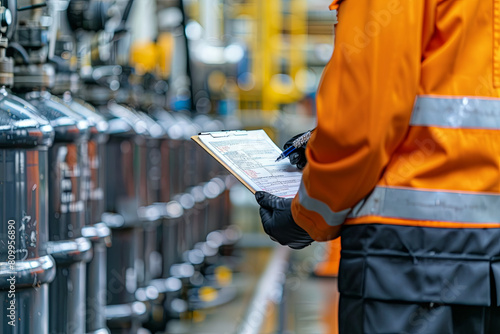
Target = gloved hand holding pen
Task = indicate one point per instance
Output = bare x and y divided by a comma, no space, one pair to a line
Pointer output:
298,157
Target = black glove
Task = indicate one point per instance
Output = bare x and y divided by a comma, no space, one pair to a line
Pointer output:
298,157
278,223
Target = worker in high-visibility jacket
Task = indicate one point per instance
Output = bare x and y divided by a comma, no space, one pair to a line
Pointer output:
405,166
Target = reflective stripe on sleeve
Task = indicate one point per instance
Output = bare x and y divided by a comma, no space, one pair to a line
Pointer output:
425,205
462,112
331,218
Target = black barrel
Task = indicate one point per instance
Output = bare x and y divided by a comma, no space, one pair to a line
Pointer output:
126,192
172,152
165,237
192,158
173,239
151,214
94,229
25,267
68,157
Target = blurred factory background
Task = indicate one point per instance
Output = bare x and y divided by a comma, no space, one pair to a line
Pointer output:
121,223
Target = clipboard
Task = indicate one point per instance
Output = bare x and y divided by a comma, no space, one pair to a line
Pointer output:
250,157
199,142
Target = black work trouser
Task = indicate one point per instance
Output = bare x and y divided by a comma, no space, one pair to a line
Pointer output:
368,316
419,280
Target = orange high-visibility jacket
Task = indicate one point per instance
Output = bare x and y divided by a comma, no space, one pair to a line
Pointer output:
408,119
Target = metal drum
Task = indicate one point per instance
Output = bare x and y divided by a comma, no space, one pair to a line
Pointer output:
94,229
25,267
189,163
172,151
151,214
67,159
209,190
177,236
172,241
126,192
159,216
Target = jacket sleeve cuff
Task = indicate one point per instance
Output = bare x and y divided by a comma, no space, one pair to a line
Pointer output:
313,223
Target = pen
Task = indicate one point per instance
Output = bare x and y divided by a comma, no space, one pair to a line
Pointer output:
297,143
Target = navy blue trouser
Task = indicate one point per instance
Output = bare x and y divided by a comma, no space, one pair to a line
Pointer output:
358,316
400,279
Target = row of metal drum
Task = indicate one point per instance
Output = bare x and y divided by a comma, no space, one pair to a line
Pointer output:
109,215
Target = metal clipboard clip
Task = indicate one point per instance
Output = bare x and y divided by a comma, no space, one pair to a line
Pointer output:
224,133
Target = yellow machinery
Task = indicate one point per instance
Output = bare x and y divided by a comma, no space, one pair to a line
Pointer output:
275,35
276,39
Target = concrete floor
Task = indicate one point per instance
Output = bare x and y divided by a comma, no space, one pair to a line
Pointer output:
309,306
312,308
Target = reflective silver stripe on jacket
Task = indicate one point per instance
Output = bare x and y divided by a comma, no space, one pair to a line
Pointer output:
407,203
330,217
460,112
